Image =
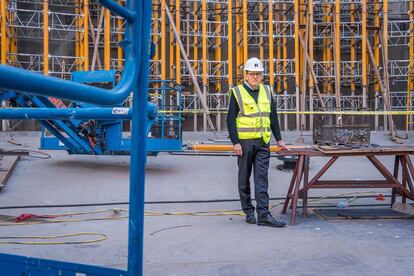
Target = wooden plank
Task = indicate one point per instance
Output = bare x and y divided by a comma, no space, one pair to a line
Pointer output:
373,150
7,164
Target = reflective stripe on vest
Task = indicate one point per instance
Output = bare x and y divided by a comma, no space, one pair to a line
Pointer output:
253,120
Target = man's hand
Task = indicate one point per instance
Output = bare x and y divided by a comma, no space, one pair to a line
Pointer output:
282,145
237,148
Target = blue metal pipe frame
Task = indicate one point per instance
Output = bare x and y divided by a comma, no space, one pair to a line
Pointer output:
96,113
17,79
134,79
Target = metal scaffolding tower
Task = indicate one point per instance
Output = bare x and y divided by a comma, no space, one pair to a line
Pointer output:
317,54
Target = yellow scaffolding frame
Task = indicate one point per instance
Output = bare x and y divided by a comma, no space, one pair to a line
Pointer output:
204,56
107,40
163,42
271,50
410,81
46,37
364,54
353,49
85,39
279,45
230,41
120,37
177,48
4,39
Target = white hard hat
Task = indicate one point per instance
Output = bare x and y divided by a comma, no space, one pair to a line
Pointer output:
253,65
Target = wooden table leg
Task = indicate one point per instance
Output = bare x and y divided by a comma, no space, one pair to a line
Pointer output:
292,184
410,174
296,190
305,183
404,178
396,170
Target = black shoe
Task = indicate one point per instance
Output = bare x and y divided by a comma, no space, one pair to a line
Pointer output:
250,218
268,220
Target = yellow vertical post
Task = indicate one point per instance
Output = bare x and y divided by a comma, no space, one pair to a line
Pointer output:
204,50
163,42
86,35
77,35
364,53
218,60
81,36
172,47
278,49
387,118
156,40
376,49
338,53
285,49
13,40
329,49
46,37
4,46
195,51
310,34
238,40
4,49
271,51
310,49
120,37
285,27
245,34
297,61
303,17
376,45
204,41
177,48
353,49
218,52
107,40
410,80
230,41
385,35
324,47
261,27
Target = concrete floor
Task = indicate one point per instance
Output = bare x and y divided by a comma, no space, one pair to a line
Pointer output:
200,245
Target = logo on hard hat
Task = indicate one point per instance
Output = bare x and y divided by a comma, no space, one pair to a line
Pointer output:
254,65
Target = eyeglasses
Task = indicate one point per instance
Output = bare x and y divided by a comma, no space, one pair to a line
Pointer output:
255,74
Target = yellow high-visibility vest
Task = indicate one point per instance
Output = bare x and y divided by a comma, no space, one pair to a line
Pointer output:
253,120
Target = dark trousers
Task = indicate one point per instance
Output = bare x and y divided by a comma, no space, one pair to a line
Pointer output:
255,156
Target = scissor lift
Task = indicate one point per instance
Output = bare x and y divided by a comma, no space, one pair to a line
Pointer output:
107,137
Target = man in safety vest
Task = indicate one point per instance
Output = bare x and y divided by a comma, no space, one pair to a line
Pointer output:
251,120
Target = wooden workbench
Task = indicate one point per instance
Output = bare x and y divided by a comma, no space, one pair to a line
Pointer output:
300,184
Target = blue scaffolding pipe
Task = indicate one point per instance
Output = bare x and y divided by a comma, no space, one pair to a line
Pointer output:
135,80
18,79
96,113
138,147
119,10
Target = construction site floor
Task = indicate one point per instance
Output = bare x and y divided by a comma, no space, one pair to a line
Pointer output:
184,244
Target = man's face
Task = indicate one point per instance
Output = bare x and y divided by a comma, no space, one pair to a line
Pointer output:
254,78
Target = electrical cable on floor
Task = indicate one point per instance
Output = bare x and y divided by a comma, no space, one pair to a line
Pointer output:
116,213
14,239
38,154
160,202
